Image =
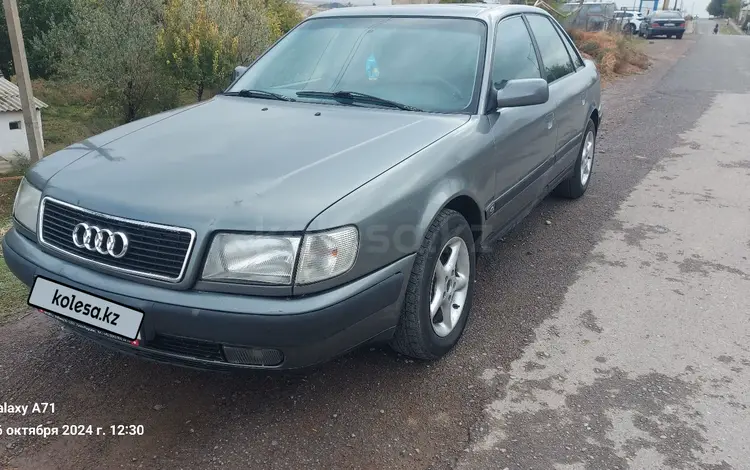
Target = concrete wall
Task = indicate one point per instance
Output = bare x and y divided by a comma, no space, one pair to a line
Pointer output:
13,140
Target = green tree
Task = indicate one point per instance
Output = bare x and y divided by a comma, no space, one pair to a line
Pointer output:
732,8
201,41
716,7
282,16
37,17
109,46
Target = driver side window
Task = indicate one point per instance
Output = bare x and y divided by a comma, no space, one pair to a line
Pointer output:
514,54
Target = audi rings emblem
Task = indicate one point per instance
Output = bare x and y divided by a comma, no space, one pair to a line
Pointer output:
101,240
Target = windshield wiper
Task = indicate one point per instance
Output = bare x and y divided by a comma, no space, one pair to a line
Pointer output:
259,94
356,96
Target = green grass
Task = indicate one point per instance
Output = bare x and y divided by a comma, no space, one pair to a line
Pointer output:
13,293
726,29
72,115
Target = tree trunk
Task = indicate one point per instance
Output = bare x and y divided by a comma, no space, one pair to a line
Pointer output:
199,91
130,107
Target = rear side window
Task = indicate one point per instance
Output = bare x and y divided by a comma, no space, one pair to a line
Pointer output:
577,60
557,63
514,54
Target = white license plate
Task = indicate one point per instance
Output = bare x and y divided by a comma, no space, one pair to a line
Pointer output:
85,308
668,24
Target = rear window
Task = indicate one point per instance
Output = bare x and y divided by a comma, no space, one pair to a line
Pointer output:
667,14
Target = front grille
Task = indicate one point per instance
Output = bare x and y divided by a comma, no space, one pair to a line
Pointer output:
187,347
154,251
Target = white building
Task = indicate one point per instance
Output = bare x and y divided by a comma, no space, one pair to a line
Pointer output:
12,131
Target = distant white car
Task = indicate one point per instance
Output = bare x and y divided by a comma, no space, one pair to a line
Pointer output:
629,21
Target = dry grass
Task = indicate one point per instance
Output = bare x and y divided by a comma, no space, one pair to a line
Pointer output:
614,53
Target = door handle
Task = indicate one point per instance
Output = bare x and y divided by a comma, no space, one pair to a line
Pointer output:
550,120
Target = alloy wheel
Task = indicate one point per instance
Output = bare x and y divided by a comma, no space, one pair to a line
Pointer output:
450,286
587,158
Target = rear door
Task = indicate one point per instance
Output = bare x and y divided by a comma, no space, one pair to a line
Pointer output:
566,86
525,137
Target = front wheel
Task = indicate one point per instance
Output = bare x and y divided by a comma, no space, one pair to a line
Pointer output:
439,294
578,182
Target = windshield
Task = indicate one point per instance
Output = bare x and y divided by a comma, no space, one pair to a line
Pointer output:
667,14
432,64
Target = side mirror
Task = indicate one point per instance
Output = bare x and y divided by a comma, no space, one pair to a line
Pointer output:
523,92
239,70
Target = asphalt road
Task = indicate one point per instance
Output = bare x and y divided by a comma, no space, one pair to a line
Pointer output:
612,337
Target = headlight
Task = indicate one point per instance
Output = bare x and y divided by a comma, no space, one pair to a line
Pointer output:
327,254
251,258
26,207
270,259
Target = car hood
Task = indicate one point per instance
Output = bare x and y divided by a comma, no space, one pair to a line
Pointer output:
239,163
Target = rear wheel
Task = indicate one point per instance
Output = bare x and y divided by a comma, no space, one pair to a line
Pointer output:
439,293
578,182
679,36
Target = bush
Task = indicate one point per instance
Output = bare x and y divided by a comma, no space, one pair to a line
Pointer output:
613,53
37,17
19,163
201,41
109,47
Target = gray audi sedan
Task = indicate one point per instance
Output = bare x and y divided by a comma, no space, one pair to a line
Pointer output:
335,194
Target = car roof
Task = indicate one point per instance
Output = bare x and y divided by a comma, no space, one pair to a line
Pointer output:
487,11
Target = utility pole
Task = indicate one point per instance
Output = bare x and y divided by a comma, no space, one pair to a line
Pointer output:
33,130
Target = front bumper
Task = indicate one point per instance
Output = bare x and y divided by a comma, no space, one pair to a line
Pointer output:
224,331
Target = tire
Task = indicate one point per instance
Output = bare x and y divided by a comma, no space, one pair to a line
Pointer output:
575,185
417,335
679,36
649,35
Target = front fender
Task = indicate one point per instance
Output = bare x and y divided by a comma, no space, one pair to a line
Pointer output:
395,210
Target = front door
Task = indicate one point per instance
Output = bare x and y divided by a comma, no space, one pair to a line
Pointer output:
524,137
561,76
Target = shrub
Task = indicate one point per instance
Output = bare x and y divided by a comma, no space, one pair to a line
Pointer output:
109,47
613,53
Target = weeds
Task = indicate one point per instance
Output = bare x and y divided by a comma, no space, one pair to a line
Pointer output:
19,163
615,54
